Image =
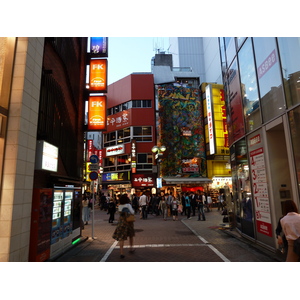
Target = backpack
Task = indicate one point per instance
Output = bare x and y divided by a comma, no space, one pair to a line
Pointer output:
297,246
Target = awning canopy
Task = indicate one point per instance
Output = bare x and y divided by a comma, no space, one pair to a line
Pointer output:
187,180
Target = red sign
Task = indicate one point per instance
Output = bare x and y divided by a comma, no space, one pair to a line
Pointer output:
142,180
119,120
97,113
98,75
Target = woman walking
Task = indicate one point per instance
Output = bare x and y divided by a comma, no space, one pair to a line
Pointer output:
124,228
291,227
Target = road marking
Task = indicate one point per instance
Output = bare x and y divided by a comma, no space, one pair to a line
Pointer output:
223,257
206,243
162,245
109,251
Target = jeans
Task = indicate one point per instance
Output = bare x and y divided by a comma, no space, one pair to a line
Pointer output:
188,211
201,212
165,213
144,211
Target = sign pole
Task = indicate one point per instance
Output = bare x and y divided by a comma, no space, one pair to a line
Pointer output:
93,207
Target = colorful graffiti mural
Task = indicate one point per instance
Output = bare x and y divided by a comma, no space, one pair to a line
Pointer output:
181,130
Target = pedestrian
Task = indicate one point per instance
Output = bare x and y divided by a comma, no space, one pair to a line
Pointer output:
124,229
220,201
135,203
163,207
291,227
143,205
183,204
188,205
169,202
209,203
200,205
174,206
111,210
102,201
155,205
193,203
85,210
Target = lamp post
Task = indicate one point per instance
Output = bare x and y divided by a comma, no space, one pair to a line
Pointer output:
158,154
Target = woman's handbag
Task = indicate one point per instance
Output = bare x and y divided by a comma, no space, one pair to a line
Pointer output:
180,208
130,218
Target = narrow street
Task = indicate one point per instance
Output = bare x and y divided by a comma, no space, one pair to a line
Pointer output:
157,240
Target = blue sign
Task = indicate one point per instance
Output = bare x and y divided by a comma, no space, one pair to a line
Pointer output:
94,159
93,175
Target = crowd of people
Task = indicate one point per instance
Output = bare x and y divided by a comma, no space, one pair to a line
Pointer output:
189,204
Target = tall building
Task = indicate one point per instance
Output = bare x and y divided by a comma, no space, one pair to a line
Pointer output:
42,115
130,135
200,54
261,81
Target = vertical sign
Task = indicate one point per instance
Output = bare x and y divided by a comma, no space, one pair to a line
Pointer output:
98,75
97,113
210,123
98,46
133,156
260,188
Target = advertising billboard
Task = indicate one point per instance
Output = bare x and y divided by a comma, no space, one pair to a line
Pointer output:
98,75
99,46
97,113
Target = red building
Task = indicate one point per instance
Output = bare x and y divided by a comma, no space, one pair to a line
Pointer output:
130,135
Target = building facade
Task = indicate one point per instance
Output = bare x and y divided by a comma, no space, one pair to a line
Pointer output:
130,135
261,82
42,115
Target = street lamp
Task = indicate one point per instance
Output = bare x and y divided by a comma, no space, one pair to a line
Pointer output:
158,154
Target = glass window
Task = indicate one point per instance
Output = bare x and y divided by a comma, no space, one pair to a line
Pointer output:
124,106
249,87
147,130
223,59
136,103
294,120
289,48
123,160
137,130
236,117
230,49
126,132
240,41
269,77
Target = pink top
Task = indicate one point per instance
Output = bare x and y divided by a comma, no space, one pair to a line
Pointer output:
291,225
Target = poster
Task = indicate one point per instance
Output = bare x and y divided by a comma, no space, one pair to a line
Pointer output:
260,192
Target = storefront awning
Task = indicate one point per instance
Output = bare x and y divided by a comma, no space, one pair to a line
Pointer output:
187,180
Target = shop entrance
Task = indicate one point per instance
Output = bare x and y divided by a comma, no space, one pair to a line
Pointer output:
281,184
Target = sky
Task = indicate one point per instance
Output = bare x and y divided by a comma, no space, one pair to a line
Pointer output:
127,55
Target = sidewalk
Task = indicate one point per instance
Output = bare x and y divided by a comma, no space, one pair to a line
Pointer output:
157,240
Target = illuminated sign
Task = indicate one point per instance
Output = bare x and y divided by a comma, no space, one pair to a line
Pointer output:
142,180
97,113
133,156
98,75
47,156
190,165
216,128
121,176
211,134
115,150
119,120
98,46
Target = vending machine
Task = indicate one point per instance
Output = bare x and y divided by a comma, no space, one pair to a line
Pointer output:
61,214
41,216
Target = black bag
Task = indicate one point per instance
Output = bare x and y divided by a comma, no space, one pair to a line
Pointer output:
297,246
